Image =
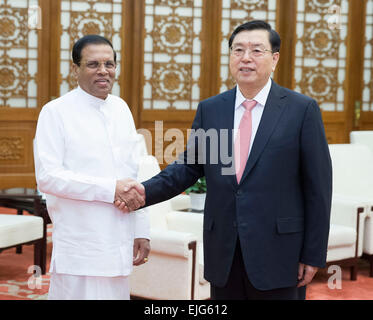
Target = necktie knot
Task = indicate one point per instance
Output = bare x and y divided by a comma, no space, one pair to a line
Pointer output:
249,105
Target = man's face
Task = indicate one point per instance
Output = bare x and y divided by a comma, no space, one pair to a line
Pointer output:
251,71
96,72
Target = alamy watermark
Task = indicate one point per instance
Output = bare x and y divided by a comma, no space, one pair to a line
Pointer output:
335,18
34,17
212,146
35,280
335,280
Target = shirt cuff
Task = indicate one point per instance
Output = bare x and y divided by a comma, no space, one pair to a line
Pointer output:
106,190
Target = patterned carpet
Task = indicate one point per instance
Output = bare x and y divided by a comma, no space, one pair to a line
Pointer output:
18,283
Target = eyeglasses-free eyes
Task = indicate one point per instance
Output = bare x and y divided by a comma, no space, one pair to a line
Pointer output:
254,51
109,65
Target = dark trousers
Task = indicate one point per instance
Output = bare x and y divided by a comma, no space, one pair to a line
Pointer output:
239,287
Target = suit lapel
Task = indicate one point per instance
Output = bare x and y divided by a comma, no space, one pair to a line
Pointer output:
271,114
226,119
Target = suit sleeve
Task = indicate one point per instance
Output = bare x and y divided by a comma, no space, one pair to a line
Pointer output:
182,173
316,174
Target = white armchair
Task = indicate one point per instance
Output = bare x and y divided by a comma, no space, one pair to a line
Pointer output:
353,180
23,230
346,234
175,266
364,137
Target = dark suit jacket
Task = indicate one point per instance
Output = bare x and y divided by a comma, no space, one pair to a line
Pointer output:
280,210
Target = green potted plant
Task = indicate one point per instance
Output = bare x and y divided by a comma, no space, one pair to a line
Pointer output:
197,193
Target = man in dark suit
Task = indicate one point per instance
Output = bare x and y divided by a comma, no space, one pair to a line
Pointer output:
266,225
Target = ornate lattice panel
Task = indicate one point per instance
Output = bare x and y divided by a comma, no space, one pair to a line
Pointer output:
79,18
234,13
368,60
172,54
321,51
18,53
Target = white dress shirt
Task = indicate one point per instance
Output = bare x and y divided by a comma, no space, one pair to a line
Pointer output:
257,111
83,145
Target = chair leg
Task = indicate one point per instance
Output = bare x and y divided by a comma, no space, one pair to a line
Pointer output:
353,272
39,256
19,248
369,258
43,250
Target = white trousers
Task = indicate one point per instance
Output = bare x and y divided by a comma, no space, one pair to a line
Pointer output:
71,287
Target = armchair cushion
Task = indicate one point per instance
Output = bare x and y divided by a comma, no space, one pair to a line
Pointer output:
16,229
346,229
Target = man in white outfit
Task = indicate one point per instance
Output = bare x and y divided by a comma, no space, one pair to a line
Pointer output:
84,154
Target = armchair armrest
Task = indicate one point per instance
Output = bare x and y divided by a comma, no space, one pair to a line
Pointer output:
180,202
365,200
350,212
343,206
190,222
171,242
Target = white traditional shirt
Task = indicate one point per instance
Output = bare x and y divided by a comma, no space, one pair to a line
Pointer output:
83,145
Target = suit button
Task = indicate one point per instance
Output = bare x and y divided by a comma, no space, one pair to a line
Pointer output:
239,192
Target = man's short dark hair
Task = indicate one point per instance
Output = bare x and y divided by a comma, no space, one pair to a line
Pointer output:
274,37
87,40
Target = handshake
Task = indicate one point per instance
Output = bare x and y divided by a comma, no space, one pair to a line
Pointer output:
129,195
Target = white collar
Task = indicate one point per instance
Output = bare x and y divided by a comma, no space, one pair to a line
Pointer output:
92,99
261,97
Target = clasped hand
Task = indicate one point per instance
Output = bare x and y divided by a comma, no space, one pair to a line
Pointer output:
129,195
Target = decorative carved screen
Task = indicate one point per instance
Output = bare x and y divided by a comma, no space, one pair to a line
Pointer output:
79,18
320,61
172,54
234,13
18,53
368,60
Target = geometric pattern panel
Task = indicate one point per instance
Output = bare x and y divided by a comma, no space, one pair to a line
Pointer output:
18,53
80,18
320,55
368,59
172,54
234,13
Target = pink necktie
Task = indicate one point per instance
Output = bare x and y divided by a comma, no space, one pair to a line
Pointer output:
242,142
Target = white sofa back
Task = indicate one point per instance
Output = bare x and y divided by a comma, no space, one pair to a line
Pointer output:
364,137
352,169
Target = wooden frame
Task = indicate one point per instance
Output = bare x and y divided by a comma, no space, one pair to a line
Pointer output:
369,257
193,246
133,48
286,21
355,65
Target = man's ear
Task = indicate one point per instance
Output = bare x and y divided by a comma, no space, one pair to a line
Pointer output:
75,70
276,58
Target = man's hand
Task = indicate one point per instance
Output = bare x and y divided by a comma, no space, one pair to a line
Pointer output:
129,195
141,249
305,274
